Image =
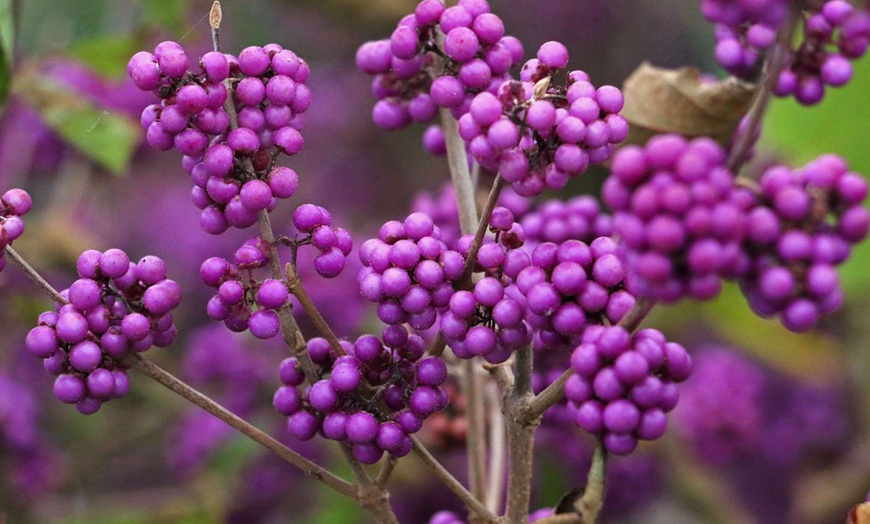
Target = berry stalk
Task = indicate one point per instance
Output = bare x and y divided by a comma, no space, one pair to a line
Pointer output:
452,483
295,286
37,279
469,380
775,62
172,383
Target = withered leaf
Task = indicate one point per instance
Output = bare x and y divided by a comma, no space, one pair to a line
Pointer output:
860,514
682,101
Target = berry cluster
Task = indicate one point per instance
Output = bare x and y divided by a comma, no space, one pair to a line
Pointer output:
679,217
625,384
334,243
571,285
538,134
14,204
834,34
744,28
116,306
800,231
372,398
236,297
229,146
474,56
486,321
580,218
409,271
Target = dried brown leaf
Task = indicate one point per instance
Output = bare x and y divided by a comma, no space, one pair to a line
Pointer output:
681,101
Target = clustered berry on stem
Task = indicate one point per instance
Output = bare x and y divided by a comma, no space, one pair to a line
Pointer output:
116,306
437,57
486,321
14,204
679,217
835,32
230,147
409,271
538,134
625,384
372,398
798,233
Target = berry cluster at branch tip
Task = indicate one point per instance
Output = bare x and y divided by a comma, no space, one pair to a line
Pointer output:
437,57
116,306
537,133
624,385
231,117
833,33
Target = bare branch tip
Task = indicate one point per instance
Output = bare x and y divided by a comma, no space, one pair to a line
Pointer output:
215,16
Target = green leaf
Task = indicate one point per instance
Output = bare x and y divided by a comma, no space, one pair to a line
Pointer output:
841,125
7,42
106,54
107,138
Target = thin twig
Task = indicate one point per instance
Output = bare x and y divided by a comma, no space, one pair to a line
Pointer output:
155,372
497,449
475,440
457,160
520,438
504,377
465,282
480,232
590,504
294,283
452,483
34,276
774,64
386,471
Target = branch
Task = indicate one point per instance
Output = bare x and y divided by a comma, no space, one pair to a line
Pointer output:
452,483
386,471
457,161
37,279
497,450
521,439
169,381
774,64
589,506
295,285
